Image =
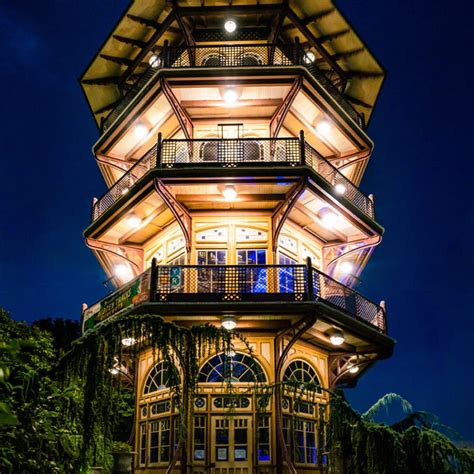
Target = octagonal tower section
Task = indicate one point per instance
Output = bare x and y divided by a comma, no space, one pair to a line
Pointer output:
233,142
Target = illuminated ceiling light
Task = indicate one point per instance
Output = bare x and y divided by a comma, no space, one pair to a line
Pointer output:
154,61
229,193
128,341
133,221
329,218
323,127
230,96
230,26
123,272
337,338
340,188
353,369
346,267
309,57
124,191
114,370
228,323
140,131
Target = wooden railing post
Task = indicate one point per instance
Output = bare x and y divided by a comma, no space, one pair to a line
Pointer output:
159,144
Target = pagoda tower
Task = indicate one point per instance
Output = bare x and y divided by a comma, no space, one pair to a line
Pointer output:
232,140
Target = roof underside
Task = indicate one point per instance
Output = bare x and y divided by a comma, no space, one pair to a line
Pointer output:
147,24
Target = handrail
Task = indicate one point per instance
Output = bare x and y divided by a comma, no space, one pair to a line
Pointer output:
238,284
232,153
232,56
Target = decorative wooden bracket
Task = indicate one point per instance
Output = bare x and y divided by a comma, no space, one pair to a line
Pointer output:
283,210
133,255
188,37
276,28
330,252
280,114
119,165
179,211
183,117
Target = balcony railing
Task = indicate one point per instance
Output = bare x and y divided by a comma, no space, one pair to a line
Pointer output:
231,153
237,56
239,284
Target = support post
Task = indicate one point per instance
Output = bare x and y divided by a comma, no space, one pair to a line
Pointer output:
153,280
302,148
309,279
159,142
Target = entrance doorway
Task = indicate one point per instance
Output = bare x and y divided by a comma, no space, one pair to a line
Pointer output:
231,444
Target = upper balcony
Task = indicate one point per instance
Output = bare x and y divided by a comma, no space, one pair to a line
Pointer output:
260,58
249,155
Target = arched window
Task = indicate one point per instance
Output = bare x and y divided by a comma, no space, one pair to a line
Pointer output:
231,368
301,372
209,151
163,375
251,59
251,150
213,60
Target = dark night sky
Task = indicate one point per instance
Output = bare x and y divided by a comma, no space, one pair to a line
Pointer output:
420,173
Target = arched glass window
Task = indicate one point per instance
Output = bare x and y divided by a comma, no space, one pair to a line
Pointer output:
252,150
236,368
213,60
209,151
251,59
163,375
300,371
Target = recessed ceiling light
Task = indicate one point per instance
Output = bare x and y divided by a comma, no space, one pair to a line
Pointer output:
309,57
337,338
329,218
346,267
140,131
230,96
133,221
154,61
353,369
230,26
228,323
123,272
229,193
340,188
323,127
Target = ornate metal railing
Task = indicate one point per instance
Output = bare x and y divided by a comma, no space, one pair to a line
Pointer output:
231,153
238,283
236,56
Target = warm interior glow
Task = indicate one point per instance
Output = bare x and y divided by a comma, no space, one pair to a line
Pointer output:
228,323
329,218
230,26
229,193
337,338
133,221
140,131
128,341
230,96
154,61
346,267
340,188
323,127
123,272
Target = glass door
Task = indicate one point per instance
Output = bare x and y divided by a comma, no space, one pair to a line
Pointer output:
231,444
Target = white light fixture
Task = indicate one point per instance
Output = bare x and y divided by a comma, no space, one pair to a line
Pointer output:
124,191
154,61
140,131
230,26
323,127
133,221
329,217
309,57
123,272
346,267
340,188
229,193
230,96
128,341
336,338
353,369
114,370
229,323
